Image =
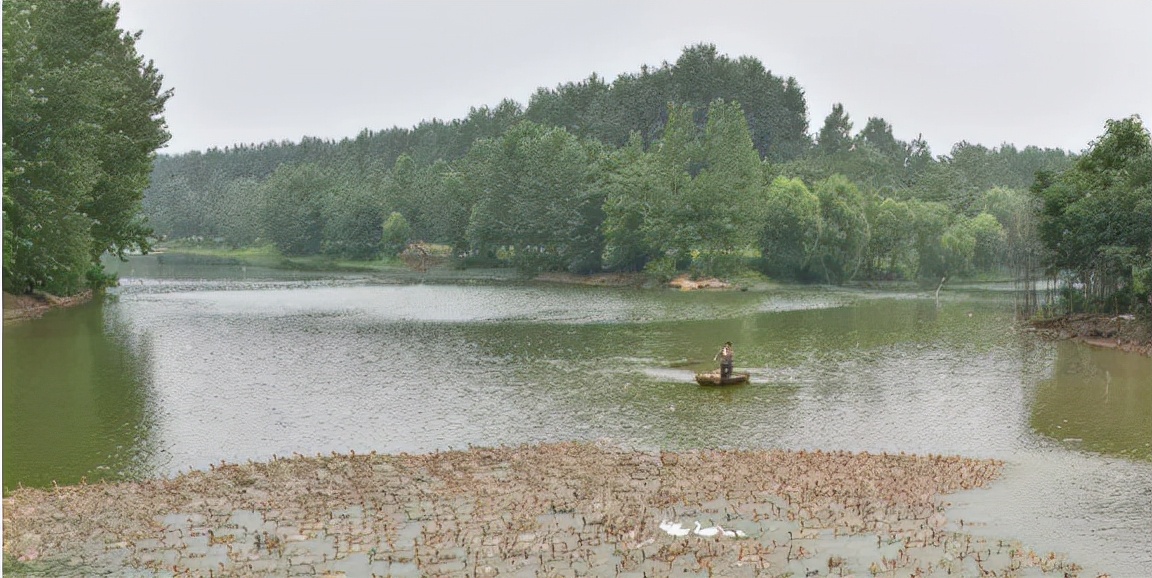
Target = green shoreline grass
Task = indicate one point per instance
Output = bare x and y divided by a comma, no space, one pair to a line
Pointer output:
268,256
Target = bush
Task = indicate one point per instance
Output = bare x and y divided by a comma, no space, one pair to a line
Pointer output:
396,234
97,278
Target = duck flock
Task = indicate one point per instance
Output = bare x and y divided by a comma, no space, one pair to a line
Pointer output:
559,509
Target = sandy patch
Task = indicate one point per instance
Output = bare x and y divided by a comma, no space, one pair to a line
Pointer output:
685,283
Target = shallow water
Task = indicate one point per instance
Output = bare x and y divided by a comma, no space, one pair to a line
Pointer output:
189,364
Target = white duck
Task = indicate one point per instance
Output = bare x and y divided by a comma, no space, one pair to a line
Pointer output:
733,533
674,529
706,532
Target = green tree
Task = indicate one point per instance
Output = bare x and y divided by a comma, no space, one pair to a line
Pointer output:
629,188
536,199
448,192
930,221
352,218
1096,218
1017,212
958,245
81,124
401,193
395,234
669,218
236,213
790,227
892,245
991,239
293,214
844,233
835,136
727,193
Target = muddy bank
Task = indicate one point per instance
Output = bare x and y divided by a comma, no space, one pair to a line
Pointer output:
22,307
565,509
682,282
1122,332
596,279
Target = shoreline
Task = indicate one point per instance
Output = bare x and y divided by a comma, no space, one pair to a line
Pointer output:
554,509
1121,332
24,307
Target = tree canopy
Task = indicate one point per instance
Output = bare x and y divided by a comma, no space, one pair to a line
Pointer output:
82,119
1096,218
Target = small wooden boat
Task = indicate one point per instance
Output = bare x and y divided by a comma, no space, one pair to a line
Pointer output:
713,378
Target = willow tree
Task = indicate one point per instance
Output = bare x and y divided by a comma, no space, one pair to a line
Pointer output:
790,227
892,246
82,121
1017,211
844,233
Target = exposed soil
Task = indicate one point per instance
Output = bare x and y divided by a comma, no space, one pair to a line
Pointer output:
597,280
22,307
686,283
1122,332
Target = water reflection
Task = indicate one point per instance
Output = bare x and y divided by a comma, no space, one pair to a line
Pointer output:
76,389
1098,399
219,368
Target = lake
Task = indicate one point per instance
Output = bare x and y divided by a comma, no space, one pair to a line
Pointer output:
190,362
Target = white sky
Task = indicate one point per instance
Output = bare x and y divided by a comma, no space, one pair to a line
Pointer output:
1027,72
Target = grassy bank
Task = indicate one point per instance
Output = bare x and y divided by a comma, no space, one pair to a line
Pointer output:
437,262
268,256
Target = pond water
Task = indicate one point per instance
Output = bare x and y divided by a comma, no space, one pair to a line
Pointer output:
189,363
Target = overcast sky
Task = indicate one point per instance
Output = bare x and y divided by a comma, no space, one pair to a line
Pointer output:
1032,72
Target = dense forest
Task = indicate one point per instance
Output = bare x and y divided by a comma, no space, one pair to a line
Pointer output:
705,166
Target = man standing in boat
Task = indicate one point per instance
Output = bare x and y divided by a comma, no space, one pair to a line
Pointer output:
725,357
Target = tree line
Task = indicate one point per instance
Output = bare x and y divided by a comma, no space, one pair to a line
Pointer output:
704,166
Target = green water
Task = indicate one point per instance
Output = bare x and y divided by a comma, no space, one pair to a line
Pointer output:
1098,399
190,363
74,400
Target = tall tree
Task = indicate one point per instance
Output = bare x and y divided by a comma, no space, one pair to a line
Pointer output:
669,210
82,119
628,187
535,199
293,214
726,194
836,135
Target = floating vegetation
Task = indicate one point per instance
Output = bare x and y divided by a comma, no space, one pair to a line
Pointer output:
548,509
